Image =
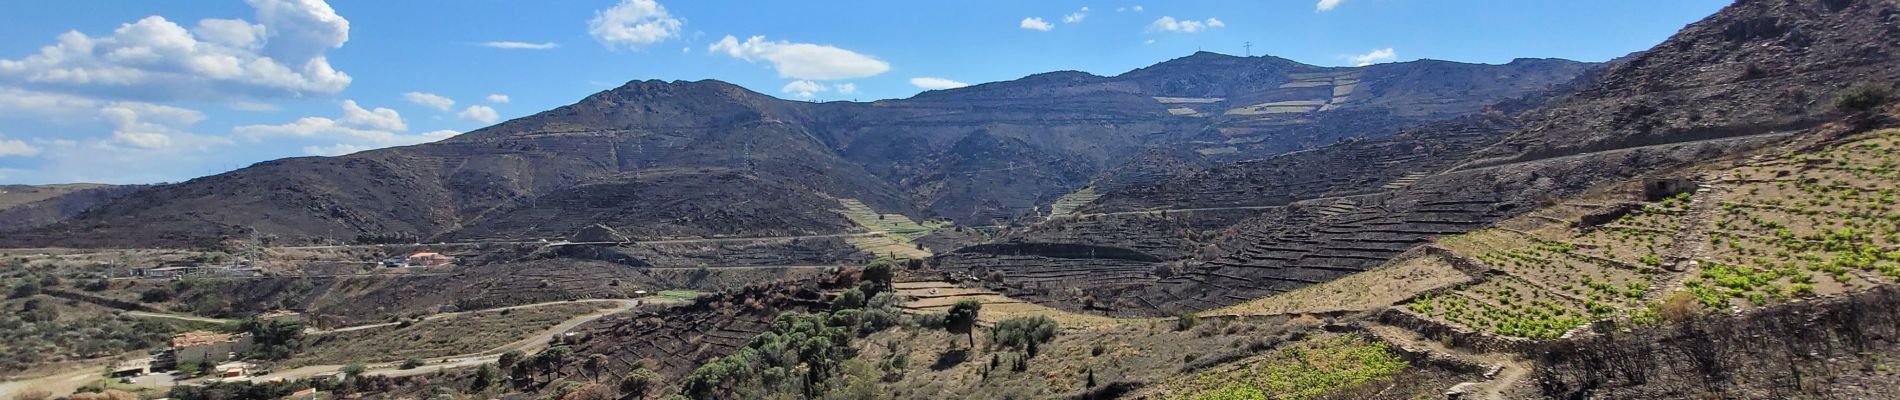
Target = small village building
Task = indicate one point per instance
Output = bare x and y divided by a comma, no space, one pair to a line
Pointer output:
205,347
280,316
172,271
428,259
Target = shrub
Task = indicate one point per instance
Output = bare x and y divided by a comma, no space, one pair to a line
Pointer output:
483,377
411,363
1185,321
638,382
1024,333
1862,97
509,359
851,298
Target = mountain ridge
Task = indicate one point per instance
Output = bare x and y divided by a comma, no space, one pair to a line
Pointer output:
980,155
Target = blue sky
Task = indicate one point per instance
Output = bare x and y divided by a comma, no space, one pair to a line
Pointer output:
122,91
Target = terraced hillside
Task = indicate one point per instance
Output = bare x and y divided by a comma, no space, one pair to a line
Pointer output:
1331,212
1771,230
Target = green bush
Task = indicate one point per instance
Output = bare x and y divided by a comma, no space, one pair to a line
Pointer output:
411,364
638,382
1024,333
1863,97
1185,321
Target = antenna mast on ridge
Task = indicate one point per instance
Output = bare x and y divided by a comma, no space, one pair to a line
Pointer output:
1249,47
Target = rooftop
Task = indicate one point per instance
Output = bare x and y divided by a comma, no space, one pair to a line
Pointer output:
198,338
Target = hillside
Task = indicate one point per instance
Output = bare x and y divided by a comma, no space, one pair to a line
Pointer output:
31,206
977,155
1751,76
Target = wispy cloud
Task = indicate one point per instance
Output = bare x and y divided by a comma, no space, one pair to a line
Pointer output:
431,100
1077,16
1327,5
513,45
1169,24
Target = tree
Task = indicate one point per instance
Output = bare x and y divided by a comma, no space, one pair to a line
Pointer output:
638,382
851,298
962,318
879,273
484,377
509,359
594,364
352,371
156,295
273,340
592,391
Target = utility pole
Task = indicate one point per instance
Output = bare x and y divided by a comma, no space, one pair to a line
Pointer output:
1249,47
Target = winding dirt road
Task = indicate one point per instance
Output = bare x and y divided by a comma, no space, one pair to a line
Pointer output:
526,345
66,382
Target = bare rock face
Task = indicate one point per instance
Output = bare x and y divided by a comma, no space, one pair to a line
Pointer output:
598,233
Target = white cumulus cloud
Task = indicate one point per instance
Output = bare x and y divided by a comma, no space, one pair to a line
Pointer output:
846,88
430,100
514,45
498,98
146,125
634,23
282,54
1036,24
379,118
16,148
479,113
929,83
1327,5
366,127
1169,24
1374,57
804,61
804,89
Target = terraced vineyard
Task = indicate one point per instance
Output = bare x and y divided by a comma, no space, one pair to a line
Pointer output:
1768,231
936,297
1368,290
1309,369
1067,205
898,231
